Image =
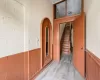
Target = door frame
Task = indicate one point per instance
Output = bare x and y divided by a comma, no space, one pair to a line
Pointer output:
56,36
79,36
45,59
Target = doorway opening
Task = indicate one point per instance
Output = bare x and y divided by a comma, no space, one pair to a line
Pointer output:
78,26
66,40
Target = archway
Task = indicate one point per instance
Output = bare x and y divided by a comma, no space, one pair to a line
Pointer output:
46,41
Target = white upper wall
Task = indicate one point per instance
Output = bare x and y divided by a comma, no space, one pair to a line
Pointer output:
39,10
92,9
20,24
11,27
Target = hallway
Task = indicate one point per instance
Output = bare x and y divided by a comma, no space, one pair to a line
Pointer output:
60,71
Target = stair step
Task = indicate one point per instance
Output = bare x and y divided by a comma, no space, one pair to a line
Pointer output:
65,49
66,38
66,52
65,46
65,42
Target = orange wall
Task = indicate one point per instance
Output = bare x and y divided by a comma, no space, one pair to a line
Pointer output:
12,67
16,67
34,62
92,66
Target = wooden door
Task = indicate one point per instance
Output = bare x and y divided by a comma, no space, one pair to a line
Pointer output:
46,40
56,42
79,44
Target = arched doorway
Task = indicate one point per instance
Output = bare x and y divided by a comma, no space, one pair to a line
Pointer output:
46,41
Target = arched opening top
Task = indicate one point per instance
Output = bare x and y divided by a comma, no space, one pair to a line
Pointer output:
46,22
46,41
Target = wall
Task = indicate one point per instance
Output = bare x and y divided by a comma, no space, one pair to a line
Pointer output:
92,66
12,67
20,22
35,62
39,10
21,32
11,27
62,26
92,9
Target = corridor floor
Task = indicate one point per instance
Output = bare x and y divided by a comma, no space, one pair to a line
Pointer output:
60,71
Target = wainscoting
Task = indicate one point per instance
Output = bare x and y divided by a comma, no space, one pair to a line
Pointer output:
92,66
27,65
12,67
35,62
21,66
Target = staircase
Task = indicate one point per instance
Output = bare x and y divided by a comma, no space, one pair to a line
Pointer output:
65,42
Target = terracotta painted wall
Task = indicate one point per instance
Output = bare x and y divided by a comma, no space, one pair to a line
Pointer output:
12,67
92,66
21,66
34,62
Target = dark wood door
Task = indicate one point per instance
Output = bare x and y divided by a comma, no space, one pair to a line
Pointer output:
79,44
46,38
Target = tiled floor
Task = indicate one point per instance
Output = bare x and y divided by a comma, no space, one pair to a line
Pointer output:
60,71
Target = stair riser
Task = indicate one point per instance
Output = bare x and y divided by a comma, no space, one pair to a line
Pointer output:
65,43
